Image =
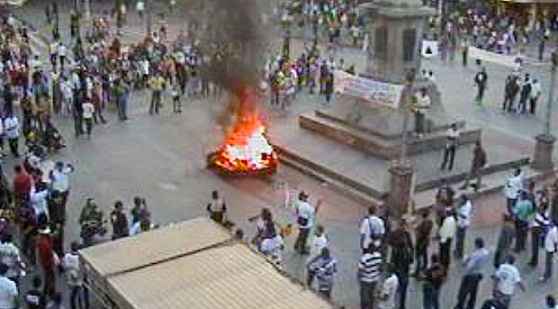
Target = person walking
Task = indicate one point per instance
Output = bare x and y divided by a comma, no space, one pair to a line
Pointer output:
388,291
539,225
434,278
474,264
74,276
510,92
306,216
11,129
369,274
46,256
372,229
463,212
60,190
506,278
402,250
88,111
11,257
157,84
479,161
550,247
446,234
322,268
481,82
422,241
505,240
452,140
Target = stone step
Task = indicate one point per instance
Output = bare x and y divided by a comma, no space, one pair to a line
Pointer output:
490,184
375,145
318,170
335,117
362,198
490,169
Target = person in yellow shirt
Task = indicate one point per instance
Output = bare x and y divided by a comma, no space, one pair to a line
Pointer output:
157,84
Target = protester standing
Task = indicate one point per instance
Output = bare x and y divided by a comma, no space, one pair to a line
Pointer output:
474,264
369,274
434,278
463,212
401,245
389,289
446,234
422,241
323,268
479,161
550,247
119,221
452,140
372,229
306,216
506,278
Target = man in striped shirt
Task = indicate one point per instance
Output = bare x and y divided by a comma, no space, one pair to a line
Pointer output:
369,273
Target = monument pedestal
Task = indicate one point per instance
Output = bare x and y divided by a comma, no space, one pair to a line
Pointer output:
543,152
401,188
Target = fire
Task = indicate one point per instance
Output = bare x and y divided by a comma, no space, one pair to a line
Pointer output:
246,149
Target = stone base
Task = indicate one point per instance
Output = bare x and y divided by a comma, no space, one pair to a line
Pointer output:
544,149
401,184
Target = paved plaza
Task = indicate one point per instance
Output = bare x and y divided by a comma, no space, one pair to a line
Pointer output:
163,158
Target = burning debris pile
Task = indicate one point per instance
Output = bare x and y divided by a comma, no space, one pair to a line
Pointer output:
245,149
233,42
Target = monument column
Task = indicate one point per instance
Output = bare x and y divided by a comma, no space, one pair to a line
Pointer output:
395,32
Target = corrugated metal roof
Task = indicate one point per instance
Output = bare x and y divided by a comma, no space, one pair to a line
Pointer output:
155,246
229,276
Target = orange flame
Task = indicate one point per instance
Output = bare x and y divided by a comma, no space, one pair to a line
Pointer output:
246,147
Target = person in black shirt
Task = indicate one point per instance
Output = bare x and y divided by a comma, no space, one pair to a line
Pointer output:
119,221
402,257
34,298
434,277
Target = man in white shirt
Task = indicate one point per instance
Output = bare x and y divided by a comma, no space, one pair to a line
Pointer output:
421,108
386,300
11,128
550,246
446,233
451,145
60,181
88,111
463,212
507,277
8,290
306,214
513,186
62,55
38,198
372,229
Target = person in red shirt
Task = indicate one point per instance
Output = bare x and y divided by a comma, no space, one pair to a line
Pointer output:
45,255
22,184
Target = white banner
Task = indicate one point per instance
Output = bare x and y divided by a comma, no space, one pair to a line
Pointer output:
380,93
429,48
505,60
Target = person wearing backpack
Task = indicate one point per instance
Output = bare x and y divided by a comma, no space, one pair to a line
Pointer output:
306,214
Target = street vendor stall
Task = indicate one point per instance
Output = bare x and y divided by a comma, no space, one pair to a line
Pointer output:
193,264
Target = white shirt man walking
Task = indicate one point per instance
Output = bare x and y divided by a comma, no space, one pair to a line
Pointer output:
8,290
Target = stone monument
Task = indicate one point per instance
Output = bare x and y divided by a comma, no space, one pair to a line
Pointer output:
395,32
